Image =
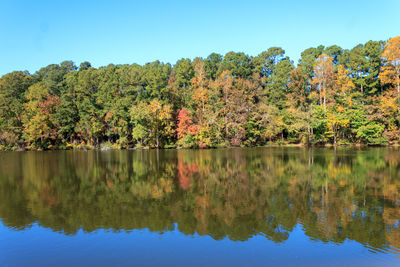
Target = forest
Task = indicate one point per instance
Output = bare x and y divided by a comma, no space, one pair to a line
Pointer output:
332,96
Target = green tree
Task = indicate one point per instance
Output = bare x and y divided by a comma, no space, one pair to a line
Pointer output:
156,118
13,87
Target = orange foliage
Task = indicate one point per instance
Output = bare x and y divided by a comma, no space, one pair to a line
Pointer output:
390,73
344,83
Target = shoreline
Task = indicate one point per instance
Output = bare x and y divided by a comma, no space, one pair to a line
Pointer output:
108,148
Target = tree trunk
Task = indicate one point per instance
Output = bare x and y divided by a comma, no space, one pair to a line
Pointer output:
157,139
320,97
334,138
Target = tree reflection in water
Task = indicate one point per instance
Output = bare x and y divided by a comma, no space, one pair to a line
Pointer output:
333,195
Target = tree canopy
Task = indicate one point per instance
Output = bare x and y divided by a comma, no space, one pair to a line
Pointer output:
332,96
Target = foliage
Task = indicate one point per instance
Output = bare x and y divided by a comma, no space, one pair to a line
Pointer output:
391,69
333,95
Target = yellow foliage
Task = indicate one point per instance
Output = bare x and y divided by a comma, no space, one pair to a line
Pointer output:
388,106
344,83
390,73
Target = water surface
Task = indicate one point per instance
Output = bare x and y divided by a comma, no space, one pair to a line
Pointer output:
238,207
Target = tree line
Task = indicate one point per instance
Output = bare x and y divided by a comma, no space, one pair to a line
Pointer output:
332,96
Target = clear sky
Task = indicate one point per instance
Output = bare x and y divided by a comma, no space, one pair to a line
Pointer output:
37,33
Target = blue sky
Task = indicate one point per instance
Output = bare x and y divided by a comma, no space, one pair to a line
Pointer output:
37,33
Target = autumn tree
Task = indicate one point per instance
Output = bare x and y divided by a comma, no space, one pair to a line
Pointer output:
223,85
186,129
298,91
152,123
345,86
391,69
336,120
324,77
200,84
40,128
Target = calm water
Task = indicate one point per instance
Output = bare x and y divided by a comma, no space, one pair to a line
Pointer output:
228,207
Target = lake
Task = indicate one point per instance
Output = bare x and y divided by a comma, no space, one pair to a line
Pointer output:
222,207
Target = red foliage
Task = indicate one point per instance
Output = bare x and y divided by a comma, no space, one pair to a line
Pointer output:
185,124
50,104
185,173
